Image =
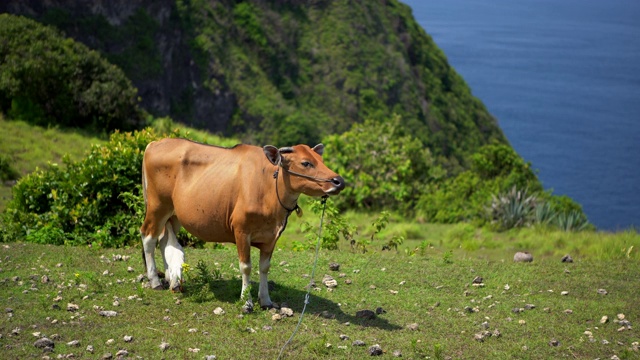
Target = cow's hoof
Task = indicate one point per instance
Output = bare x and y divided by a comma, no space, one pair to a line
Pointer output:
177,288
247,308
269,306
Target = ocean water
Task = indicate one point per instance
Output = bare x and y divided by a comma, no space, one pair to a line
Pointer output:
563,80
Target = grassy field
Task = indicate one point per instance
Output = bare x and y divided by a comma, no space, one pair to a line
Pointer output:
431,308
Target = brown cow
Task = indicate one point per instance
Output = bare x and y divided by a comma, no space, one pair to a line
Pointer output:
235,195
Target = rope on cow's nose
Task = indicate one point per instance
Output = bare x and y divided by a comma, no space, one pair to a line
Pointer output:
313,271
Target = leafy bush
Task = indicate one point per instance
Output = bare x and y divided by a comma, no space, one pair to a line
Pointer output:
96,200
384,168
48,79
7,171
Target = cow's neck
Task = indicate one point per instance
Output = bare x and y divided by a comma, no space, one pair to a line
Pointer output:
287,198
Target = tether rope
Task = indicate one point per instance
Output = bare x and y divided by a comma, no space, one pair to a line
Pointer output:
313,271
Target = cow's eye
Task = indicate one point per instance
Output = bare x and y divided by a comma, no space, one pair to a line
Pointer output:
307,164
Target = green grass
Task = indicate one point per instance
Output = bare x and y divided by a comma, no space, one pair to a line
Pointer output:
431,292
32,147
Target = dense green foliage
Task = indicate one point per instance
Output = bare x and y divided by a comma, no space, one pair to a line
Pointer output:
302,72
7,171
48,79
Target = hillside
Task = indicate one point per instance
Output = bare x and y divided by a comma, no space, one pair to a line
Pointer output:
283,71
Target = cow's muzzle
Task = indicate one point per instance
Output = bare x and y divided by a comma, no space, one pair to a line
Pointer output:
338,184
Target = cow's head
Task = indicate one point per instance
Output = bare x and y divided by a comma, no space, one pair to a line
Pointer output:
304,171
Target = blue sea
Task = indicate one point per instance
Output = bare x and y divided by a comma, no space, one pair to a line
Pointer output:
563,80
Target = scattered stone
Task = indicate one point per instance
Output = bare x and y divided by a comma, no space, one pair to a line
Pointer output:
267,328
358,343
567,259
218,311
517,310
529,307
140,278
210,357
523,256
344,337
72,307
334,266
164,346
108,313
285,311
130,269
73,343
44,343
375,350
413,326
477,280
602,292
507,287
122,353
564,293
250,330
348,281
372,287
107,356
554,342
44,279
110,341
128,338
366,314
329,282
276,317
620,316
380,311
496,333
481,336
485,325
194,350
89,349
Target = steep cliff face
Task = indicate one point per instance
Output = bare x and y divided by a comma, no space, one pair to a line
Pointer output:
146,40
280,71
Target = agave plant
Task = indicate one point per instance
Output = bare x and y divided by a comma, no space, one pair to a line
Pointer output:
544,214
572,221
515,208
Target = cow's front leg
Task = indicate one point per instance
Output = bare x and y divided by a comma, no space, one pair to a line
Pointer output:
244,257
263,290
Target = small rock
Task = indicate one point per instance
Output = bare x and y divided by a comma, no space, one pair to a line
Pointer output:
496,333
276,317
108,313
602,291
210,357
477,280
193,330
44,279
122,353
334,266
89,349
375,350
107,356
329,282
110,341
485,325
523,256
72,307
344,337
567,259
397,353
194,350
554,342
358,343
481,336
366,314
128,338
620,316
267,328
413,326
218,311
604,319
380,311
348,281
164,346
283,263
564,293
130,269
44,343
73,343
529,306
285,311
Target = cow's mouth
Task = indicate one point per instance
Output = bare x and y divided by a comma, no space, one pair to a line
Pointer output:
338,184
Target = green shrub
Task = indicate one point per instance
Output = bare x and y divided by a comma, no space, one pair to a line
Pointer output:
383,167
48,79
515,208
7,171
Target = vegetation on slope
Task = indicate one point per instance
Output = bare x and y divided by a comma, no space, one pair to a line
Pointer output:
47,79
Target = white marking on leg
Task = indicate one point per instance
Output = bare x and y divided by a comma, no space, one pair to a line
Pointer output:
149,245
263,290
174,256
245,270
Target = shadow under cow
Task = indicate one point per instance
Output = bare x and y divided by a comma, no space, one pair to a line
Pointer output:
228,291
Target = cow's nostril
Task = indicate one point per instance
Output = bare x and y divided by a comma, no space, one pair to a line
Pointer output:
338,182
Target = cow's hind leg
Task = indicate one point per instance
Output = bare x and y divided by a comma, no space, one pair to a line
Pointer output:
173,255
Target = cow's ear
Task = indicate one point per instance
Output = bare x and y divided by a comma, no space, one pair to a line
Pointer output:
319,149
272,154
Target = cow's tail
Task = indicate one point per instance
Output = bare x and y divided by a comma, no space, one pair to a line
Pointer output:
144,196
